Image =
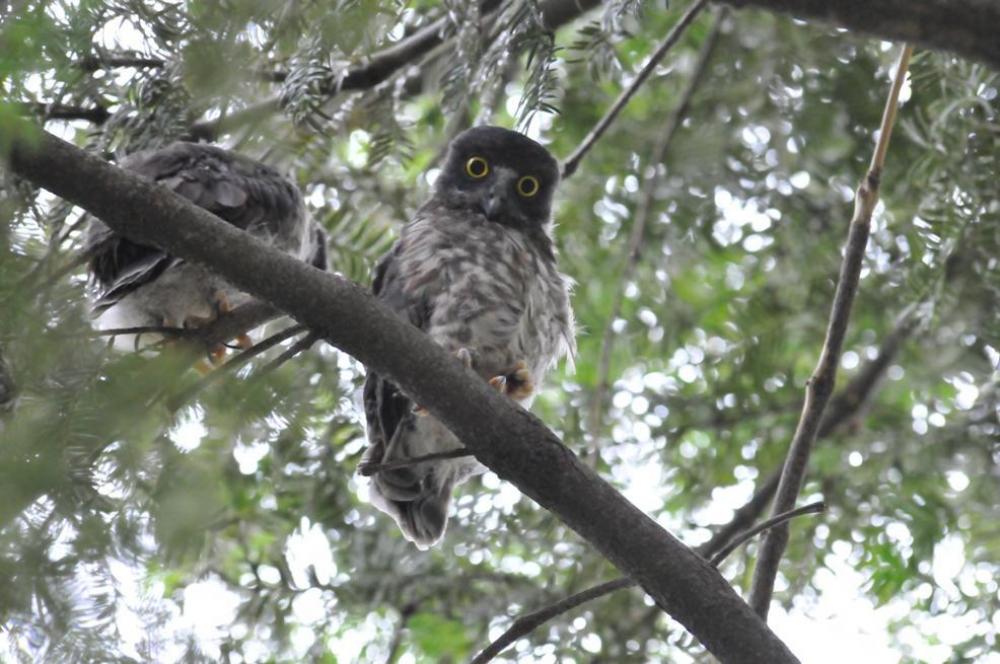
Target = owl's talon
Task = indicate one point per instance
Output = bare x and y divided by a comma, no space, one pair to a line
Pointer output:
465,357
419,411
222,303
517,384
217,355
244,342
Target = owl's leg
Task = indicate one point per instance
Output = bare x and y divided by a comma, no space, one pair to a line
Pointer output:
465,357
517,384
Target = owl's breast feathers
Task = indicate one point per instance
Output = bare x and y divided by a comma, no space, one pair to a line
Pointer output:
486,287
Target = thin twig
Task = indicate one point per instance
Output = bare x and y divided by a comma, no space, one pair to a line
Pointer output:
369,469
821,383
527,623
642,214
93,63
397,637
843,406
302,344
573,161
146,329
95,114
233,364
811,508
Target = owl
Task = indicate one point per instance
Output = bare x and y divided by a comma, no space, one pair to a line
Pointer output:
141,286
476,270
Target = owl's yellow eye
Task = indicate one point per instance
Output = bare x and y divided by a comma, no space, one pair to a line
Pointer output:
528,186
477,168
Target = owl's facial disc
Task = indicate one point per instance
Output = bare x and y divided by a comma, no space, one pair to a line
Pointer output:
495,197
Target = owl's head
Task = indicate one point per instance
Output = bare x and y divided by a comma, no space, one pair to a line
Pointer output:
501,174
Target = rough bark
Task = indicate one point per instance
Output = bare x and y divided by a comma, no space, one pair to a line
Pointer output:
507,439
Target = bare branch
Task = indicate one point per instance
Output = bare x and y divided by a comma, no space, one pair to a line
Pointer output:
95,114
737,542
8,388
821,383
302,344
573,161
503,436
93,63
397,636
369,469
146,329
642,214
527,623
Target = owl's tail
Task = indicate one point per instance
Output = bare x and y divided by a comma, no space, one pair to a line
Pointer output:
416,501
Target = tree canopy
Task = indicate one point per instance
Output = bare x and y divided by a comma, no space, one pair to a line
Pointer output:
151,514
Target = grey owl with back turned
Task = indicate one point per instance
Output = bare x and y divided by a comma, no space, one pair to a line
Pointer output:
476,270
140,285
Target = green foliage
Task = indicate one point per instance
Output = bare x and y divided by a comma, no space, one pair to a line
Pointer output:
129,505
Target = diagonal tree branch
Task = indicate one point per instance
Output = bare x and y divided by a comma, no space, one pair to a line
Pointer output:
503,436
642,213
572,162
383,64
821,383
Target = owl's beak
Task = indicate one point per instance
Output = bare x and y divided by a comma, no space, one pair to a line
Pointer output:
495,200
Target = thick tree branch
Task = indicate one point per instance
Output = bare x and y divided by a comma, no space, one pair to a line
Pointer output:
642,214
821,383
572,162
965,27
503,436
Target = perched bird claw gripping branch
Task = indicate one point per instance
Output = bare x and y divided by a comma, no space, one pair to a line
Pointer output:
476,270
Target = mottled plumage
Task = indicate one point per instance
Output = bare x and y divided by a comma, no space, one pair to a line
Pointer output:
476,270
140,285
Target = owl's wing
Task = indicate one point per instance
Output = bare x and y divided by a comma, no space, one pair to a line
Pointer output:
385,405
416,496
241,191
